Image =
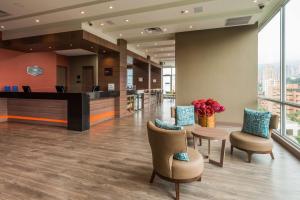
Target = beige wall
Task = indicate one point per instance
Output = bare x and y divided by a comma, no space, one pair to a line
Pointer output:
221,64
75,69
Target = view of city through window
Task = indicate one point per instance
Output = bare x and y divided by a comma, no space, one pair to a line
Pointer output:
279,82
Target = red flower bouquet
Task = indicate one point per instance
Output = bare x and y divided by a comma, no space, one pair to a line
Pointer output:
207,107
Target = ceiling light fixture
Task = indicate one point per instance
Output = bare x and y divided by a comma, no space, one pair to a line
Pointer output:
146,50
71,44
184,11
30,49
50,47
37,21
142,32
126,20
254,1
82,12
3,27
92,47
190,26
165,29
104,51
102,24
121,34
138,45
110,7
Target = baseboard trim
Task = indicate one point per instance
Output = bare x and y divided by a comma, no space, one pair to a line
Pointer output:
293,150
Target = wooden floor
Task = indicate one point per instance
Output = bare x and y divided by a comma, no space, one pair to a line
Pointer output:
113,161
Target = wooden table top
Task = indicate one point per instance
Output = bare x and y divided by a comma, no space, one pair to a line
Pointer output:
210,133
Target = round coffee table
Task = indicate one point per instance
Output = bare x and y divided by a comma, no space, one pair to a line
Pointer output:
211,134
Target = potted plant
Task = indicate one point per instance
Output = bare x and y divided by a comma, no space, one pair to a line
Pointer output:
205,109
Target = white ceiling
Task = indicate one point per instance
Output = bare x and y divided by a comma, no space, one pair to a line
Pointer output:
109,23
75,52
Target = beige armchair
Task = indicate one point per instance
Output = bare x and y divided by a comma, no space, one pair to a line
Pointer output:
254,144
164,144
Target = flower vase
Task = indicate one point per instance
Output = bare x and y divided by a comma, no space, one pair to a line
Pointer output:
209,122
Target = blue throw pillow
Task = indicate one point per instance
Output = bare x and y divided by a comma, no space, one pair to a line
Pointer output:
256,123
160,124
182,156
185,115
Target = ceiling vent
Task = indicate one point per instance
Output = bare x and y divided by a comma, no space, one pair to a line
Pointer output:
153,30
238,21
198,10
3,14
109,22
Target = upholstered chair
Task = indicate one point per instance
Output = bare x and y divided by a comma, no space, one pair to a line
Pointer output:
189,128
254,144
164,144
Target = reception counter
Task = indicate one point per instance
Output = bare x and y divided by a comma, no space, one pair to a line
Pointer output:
76,111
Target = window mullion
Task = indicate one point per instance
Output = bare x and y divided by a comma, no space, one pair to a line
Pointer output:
282,71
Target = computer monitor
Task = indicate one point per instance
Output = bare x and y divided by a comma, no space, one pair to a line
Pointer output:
26,89
96,88
60,89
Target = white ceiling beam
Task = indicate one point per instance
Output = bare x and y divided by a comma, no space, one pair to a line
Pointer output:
197,18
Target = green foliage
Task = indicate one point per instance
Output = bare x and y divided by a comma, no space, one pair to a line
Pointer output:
294,116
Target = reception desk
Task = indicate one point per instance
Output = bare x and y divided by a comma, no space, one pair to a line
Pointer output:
75,111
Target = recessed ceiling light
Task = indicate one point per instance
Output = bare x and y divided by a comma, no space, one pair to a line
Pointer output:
30,49
120,34
184,11
110,7
190,26
104,51
165,29
142,32
82,12
71,44
254,1
146,50
138,45
102,24
126,20
92,47
3,27
37,21
50,47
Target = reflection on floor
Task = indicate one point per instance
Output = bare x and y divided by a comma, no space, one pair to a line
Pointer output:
113,161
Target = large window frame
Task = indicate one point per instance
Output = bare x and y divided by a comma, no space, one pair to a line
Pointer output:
283,100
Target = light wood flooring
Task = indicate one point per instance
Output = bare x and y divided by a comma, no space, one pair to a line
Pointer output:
113,161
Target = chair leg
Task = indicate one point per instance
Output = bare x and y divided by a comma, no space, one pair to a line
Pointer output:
152,177
272,155
177,190
200,142
231,149
199,179
249,156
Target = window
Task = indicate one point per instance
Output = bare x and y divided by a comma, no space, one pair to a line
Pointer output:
279,70
269,59
169,80
130,78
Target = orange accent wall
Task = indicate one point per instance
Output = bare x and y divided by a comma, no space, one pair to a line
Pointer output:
13,66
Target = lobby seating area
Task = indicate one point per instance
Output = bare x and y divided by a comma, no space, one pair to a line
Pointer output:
149,100
90,166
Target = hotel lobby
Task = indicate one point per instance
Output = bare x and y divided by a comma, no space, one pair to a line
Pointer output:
139,99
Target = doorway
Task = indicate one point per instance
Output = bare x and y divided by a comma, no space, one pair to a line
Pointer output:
62,76
87,78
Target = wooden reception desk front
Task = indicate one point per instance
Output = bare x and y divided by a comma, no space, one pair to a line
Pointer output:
76,111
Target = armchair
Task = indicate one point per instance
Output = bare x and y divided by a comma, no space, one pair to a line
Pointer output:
164,144
254,144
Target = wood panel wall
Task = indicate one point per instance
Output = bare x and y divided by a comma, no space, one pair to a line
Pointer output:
108,60
3,110
140,70
102,110
156,74
38,111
